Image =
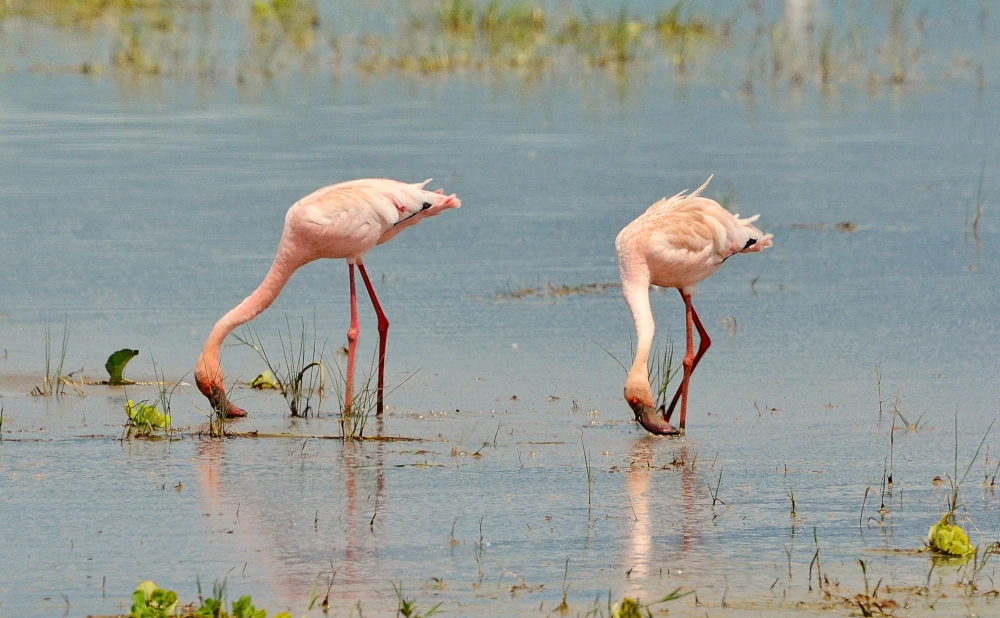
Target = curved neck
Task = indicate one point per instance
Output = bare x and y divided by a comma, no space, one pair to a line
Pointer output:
637,297
208,369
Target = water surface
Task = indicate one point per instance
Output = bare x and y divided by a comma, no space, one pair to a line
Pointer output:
138,211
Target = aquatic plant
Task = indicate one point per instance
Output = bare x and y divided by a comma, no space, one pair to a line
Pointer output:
277,21
517,24
605,41
54,382
948,538
63,13
265,381
244,608
632,608
562,608
144,419
661,372
456,17
680,22
715,491
149,601
301,377
129,51
407,607
115,366
815,562
590,472
899,53
164,395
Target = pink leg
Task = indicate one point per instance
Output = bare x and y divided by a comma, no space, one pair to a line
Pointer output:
383,330
690,362
352,343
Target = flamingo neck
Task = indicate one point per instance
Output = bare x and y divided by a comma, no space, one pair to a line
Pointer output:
208,373
637,383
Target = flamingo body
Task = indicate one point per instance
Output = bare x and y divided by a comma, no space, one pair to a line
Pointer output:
676,243
342,221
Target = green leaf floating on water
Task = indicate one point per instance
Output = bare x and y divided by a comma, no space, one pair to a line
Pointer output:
948,539
265,380
148,601
243,608
629,608
116,366
146,416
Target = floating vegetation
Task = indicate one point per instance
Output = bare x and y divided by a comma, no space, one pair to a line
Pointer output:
265,381
115,366
149,601
633,608
144,419
550,290
948,538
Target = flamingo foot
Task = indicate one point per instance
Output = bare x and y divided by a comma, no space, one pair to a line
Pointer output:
652,422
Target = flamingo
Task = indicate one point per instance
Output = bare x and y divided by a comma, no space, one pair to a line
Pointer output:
676,243
340,221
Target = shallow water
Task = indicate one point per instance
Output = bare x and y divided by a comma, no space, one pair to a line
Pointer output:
137,212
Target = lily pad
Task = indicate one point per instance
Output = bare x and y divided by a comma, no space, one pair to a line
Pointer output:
146,416
948,539
265,380
116,366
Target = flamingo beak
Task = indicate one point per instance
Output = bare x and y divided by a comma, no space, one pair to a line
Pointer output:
217,398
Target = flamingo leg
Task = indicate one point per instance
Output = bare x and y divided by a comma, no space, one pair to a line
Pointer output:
352,342
690,360
383,331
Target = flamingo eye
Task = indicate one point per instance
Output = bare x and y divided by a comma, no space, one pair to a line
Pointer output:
633,400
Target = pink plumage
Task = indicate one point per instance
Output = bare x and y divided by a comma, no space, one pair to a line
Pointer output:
340,221
676,243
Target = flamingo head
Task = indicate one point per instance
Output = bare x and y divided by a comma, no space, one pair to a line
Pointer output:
639,397
211,386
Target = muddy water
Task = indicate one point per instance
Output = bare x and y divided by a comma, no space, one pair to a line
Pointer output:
138,212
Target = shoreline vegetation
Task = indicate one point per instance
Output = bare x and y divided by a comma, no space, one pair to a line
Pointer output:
246,41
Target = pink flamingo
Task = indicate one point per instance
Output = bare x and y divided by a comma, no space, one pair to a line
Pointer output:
676,243
340,221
